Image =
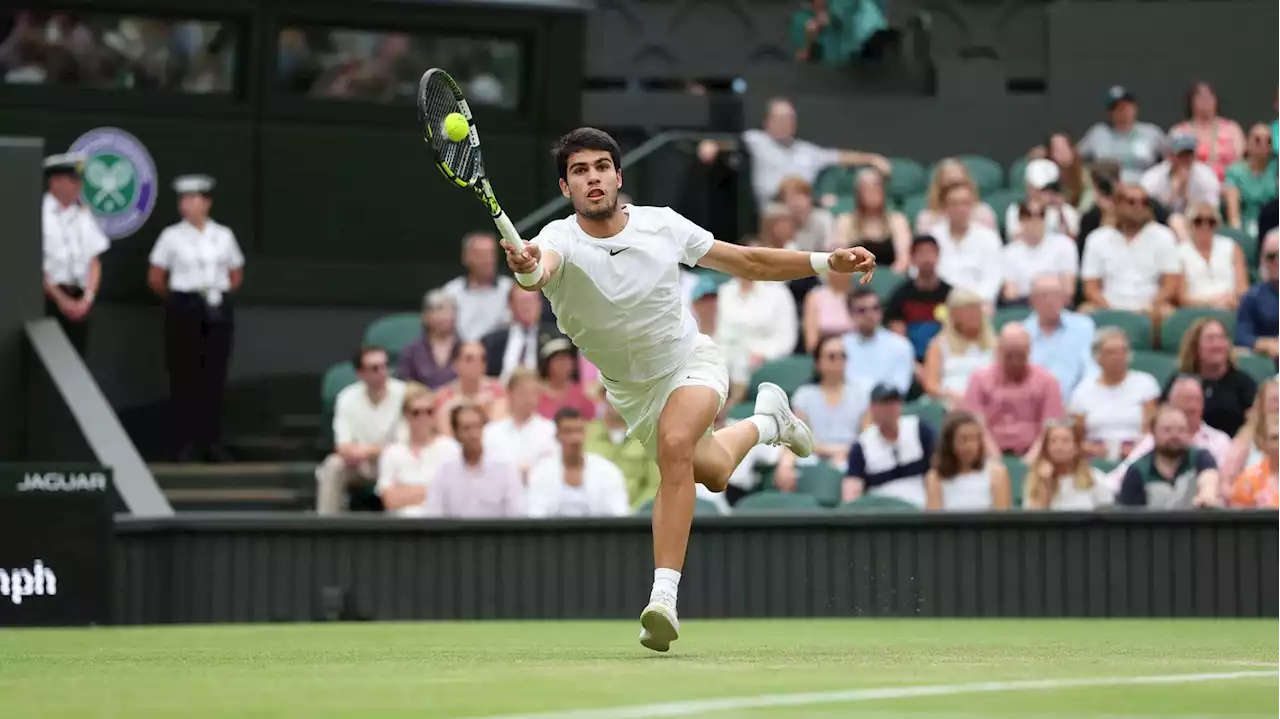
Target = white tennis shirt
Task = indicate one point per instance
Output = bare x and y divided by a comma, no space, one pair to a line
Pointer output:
619,298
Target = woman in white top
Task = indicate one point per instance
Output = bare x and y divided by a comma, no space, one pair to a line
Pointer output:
1112,405
195,266
1036,252
965,343
406,469
1059,476
1213,267
755,322
966,475
947,172
1043,187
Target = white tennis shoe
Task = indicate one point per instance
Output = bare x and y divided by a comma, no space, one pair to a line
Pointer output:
771,401
659,625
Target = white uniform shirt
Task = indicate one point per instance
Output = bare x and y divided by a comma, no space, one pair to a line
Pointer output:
72,239
773,161
523,444
1054,255
1130,270
398,464
973,262
198,260
357,419
618,298
603,492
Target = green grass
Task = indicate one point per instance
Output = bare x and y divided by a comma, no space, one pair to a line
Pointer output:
439,670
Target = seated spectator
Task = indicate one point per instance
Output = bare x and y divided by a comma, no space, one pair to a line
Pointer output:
777,227
971,254
813,224
1213,270
1044,189
819,37
1036,253
1186,395
946,173
891,456
1205,353
1251,182
1134,265
1077,184
1174,474
471,386
518,344
429,360
1113,405
475,484
1059,337
1059,476
1219,141
826,309
704,303
748,476
1248,445
1110,196
965,344
755,322
1134,146
1257,486
574,482
366,418
1181,181
406,469
1013,396
559,388
873,353
481,294
608,438
915,307
833,405
1258,317
966,475
874,225
525,437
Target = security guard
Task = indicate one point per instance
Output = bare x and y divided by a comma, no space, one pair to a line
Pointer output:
72,243
195,266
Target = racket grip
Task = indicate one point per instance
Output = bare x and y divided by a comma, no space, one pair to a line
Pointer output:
508,231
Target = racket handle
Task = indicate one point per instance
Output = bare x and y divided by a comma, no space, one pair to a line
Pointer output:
508,231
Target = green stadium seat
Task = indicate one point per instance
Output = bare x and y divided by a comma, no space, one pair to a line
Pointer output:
1005,315
834,180
844,204
1247,242
1017,177
911,206
885,281
1000,201
1137,327
740,411
336,378
1017,477
787,372
394,332
1259,367
1103,465
909,178
987,174
773,501
1161,365
875,504
820,481
1177,324
701,508
927,410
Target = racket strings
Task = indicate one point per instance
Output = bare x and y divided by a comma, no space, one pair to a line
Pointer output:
436,101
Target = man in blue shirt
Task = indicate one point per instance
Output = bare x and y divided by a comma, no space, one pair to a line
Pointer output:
876,355
1258,318
1060,339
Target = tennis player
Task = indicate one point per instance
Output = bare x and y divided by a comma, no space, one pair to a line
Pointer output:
612,276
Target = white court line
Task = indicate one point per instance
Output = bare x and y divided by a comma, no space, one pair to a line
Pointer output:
764,701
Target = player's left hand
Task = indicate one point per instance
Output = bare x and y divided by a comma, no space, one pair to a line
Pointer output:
853,259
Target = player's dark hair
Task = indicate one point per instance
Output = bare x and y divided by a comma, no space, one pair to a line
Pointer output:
366,350
584,138
566,413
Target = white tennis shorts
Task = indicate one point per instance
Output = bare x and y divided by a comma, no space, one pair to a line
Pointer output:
641,403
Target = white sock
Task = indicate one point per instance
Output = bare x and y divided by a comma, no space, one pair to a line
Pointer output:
666,580
767,426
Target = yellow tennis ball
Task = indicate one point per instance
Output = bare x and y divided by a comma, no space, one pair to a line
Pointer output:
455,126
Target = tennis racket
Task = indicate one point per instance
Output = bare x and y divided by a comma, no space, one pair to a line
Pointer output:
438,96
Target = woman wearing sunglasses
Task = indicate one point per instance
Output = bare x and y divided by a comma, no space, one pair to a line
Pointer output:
406,469
1213,266
1251,182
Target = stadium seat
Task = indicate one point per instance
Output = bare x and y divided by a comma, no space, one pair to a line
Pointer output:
834,180
1176,325
1000,201
1103,465
1017,177
875,504
740,411
1017,476
701,508
1137,327
987,174
773,500
1005,315
394,332
911,206
927,410
1247,242
885,281
1160,365
820,481
1259,367
909,178
787,372
336,378
844,204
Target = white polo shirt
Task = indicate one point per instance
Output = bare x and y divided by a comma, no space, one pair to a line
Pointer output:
522,444
357,419
72,239
198,260
773,161
603,492
1055,254
399,464
480,310
973,261
1130,270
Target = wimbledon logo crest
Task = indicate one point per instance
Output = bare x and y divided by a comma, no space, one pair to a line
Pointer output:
119,180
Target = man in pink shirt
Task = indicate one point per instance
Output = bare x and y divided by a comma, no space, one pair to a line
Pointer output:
1012,395
475,485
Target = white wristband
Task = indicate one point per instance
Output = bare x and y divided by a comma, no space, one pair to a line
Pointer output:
529,279
820,262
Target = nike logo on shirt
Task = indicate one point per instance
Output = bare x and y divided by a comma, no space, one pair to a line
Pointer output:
614,252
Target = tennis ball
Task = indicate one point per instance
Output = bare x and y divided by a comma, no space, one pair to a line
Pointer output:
455,126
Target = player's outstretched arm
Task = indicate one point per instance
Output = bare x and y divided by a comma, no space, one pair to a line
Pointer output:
768,264
533,268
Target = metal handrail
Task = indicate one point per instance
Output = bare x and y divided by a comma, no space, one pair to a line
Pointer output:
646,148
